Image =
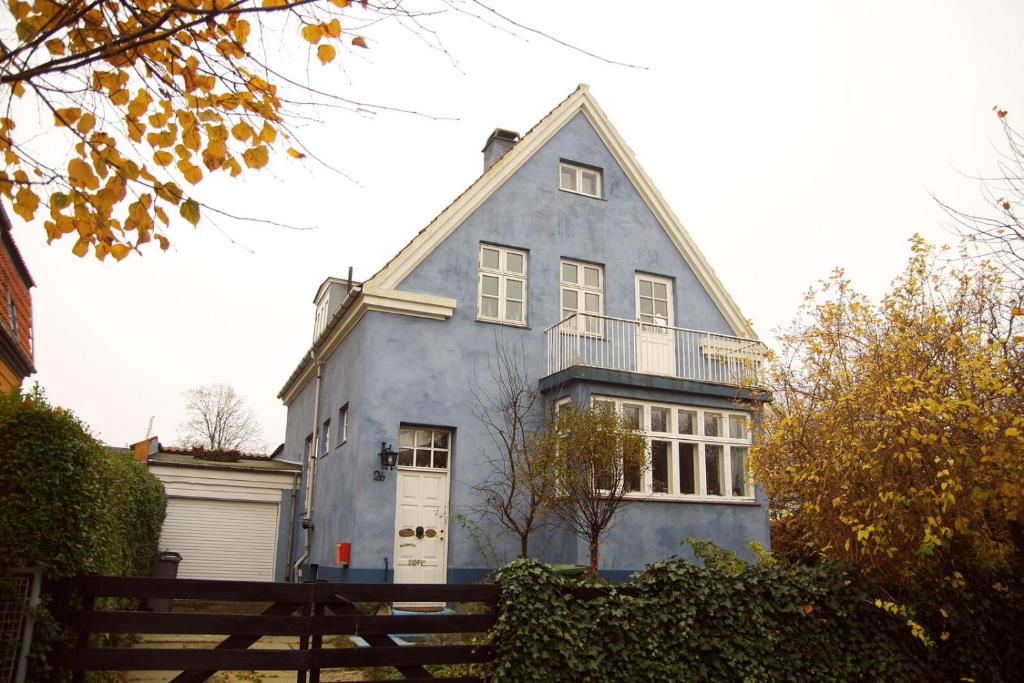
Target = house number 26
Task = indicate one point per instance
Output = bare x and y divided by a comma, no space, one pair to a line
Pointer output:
415,563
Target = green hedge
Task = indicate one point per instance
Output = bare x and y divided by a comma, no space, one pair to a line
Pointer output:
68,504
729,621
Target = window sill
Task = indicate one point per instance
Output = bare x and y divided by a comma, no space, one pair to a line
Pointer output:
580,194
521,326
713,500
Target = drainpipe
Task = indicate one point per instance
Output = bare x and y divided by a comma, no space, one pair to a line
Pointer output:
291,527
307,515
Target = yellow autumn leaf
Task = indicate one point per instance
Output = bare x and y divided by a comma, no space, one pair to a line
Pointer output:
162,215
333,28
120,97
190,138
189,211
268,133
241,30
66,116
140,104
256,157
119,251
312,33
241,131
359,41
163,158
1016,310
192,173
18,89
55,46
325,53
85,123
274,3
168,192
340,3
80,174
25,203
296,153
81,247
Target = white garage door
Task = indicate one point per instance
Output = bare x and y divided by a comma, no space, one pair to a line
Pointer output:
221,539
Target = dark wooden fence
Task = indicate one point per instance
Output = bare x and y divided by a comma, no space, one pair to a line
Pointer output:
308,611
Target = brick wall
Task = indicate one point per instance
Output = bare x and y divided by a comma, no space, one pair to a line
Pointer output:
12,284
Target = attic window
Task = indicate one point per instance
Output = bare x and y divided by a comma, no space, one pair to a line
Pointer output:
585,181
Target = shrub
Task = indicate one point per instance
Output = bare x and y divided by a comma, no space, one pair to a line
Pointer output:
729,621
68,504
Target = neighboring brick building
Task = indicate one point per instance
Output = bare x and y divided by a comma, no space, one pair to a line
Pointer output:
15,311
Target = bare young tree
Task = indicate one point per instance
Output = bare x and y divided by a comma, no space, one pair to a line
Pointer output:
218,419
998,234
596,457
519,483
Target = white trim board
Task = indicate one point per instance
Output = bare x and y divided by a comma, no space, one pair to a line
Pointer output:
370,298
580,101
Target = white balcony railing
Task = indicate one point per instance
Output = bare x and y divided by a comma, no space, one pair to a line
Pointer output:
600,341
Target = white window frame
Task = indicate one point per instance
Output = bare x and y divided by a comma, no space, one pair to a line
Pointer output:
325,438
589,326
415,428
578,171
342,424
503,275
699,440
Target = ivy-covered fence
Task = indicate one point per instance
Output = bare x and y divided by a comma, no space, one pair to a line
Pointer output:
729,621
69,505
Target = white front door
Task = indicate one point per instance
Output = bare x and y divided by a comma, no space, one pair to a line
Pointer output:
420,527
655,340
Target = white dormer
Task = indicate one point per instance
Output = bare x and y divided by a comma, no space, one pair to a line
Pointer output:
329,297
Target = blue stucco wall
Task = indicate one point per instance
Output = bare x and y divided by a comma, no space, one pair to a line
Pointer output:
420,371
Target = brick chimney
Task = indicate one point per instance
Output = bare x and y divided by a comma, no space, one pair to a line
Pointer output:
501,141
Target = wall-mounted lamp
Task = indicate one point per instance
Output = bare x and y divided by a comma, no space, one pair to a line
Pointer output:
388,457
388,460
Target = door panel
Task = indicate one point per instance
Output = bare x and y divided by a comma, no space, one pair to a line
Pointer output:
422,502
655,340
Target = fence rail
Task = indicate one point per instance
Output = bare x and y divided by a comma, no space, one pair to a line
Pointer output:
601,341
308,611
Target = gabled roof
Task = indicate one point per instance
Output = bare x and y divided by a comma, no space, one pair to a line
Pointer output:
426,240
579,101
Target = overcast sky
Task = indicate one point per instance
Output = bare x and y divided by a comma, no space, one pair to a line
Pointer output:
789,138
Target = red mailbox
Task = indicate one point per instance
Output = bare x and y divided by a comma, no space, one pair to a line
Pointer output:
343,553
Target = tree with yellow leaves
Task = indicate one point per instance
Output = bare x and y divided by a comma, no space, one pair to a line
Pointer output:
896,436
152,96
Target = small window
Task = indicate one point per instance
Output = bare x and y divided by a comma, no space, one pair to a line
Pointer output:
659,419
343,424
582,294
687,421
325,438
424,447
309,447
13,313
502,285
580,180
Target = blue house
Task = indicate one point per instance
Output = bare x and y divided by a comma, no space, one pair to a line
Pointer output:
563,247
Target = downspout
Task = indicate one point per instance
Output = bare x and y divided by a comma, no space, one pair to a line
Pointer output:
291,527
307,515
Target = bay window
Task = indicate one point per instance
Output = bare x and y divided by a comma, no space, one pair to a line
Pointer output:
698,453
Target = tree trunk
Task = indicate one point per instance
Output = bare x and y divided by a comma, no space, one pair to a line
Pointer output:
593,558
523,542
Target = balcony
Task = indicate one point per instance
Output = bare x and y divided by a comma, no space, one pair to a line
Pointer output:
600,341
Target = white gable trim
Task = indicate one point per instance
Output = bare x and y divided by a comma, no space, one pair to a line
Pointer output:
580,100
371,298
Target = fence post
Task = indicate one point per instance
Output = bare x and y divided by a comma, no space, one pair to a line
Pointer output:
82,642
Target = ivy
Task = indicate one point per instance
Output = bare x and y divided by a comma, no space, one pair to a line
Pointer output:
70,505
731,621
